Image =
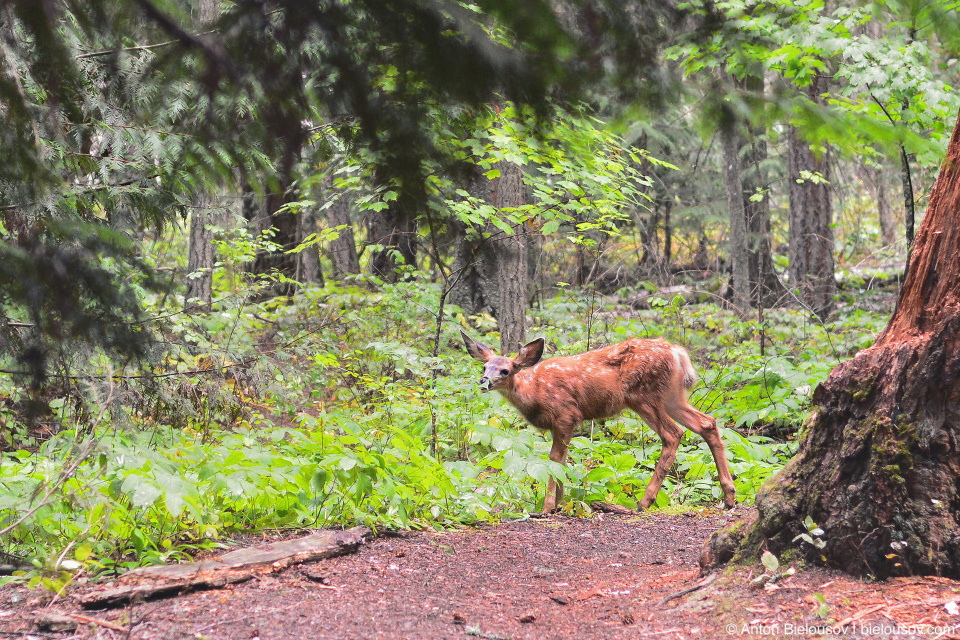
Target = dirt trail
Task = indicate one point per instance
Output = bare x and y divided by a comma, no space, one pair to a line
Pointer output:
558,577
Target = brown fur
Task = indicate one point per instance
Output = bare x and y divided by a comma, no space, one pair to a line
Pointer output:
651,377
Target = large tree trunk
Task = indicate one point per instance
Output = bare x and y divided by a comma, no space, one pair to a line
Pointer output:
308,266
765,285
285,230
288,230
494,265
879,462
811,236
476,290
873,177
475,257
200,258
286,227
289,137
343,250
738,223
512,263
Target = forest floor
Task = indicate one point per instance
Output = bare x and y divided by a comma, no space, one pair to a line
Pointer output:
557,577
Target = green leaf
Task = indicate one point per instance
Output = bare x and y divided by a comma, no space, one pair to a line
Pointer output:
598,474
770,561
514,464
550,226
663,500
144,492
539,472
319,480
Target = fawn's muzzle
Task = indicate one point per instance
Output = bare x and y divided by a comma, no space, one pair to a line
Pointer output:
484,383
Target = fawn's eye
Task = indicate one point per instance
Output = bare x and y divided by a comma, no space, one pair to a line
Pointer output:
504,372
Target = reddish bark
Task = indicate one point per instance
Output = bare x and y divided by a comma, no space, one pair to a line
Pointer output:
930,293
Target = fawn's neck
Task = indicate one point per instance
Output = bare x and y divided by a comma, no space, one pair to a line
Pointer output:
521,393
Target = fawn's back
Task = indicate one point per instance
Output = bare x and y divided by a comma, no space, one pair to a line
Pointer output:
600,383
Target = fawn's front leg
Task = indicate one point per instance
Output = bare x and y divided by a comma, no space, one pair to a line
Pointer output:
558,453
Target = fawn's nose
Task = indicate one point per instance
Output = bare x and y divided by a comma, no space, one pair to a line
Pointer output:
484,383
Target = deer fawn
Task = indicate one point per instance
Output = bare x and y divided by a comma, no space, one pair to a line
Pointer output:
651,377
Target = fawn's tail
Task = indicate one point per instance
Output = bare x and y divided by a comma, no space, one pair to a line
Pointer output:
682,359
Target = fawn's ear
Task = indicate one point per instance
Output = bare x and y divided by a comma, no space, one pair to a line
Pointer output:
530,354
476,350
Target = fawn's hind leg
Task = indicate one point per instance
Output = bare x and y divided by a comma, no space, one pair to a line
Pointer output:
706,427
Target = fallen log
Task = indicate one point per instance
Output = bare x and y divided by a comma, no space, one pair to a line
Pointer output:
240,565
609,507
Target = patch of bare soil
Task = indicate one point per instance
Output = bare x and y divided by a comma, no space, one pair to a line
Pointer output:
559,577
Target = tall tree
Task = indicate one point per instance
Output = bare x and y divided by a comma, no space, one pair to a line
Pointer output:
873,176
743,156
474,258
285,229
309,270
877,468
765,286
343,249
200,259
492,266
737,236
512,262
283,123
811,216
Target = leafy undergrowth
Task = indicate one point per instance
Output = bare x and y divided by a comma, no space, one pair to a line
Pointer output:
328,409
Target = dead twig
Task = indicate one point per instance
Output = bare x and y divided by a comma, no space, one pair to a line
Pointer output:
679,594
100,622
860,614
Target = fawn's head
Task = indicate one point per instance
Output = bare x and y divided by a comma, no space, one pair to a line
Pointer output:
497,370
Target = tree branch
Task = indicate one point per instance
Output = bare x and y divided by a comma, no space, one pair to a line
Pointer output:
166,23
